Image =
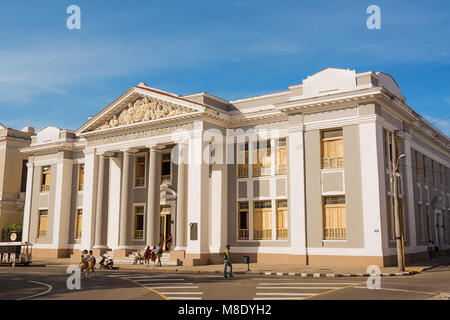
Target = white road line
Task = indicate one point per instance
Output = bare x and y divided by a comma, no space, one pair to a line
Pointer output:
315,288
39,294
150,280
180,287
184,298
401,290
282,294
163,283
146,277
304,283
191,292
278,298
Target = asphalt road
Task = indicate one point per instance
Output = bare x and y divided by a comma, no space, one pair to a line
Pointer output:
50,283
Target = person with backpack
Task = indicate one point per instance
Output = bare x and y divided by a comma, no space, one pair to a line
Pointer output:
91,264
227,261
159,254
147,256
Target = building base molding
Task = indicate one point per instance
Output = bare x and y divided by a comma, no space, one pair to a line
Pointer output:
122,253
51,253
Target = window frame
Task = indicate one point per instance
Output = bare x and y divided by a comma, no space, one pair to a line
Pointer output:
324,217
45,188
322,149
266,219
136,164
135,221
42,233
245,235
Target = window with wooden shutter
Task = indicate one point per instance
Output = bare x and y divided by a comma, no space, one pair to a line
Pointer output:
282,219
332,149
81,177
281,156
140,171
335,220
42,228
45,184
263,159
242,160
262,220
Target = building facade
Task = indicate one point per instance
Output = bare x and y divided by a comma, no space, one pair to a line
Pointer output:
13,170
301,176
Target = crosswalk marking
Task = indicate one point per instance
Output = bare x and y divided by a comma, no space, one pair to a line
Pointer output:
278,298
151,285
304,283
176,292
292,288
146,277
282,294
180,287
172,287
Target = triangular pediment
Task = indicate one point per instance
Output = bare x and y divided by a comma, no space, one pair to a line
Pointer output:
140,105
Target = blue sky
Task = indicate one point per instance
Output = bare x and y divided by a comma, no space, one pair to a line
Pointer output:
50,75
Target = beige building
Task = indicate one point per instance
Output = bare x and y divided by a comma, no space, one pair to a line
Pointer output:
13,169
300,176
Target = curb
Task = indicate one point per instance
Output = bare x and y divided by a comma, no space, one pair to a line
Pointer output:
335,275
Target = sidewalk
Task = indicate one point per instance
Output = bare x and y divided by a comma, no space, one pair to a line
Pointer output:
265,269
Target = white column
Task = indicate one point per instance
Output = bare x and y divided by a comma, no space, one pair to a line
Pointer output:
99,236
63,191
219,207
410,194
28,197
89,199
154,187
124,202
372,157
114,192
198,194
180,238
297,212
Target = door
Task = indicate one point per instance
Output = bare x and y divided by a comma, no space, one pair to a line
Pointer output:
164,225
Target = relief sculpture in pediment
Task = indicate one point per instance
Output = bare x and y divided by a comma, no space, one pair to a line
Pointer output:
144,109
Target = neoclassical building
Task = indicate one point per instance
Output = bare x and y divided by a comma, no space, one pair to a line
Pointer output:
302,176
13,170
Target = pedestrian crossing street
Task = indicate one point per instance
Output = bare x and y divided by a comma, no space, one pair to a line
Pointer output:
172,287
293,289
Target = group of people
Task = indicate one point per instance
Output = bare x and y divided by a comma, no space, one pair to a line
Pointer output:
88,263
154,254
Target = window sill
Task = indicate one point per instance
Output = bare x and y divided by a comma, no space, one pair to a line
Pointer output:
335,240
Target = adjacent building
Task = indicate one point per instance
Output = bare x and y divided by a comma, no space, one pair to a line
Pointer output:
13,178
302,176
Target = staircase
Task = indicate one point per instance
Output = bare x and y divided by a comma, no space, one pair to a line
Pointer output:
165,259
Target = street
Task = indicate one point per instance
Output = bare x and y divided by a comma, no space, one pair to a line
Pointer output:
50,283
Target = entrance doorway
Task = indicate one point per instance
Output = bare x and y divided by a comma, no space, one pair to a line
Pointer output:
165,224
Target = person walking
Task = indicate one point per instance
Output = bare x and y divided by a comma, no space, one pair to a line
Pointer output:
147,256
160,251
431,252
84,261
227,262
91,264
